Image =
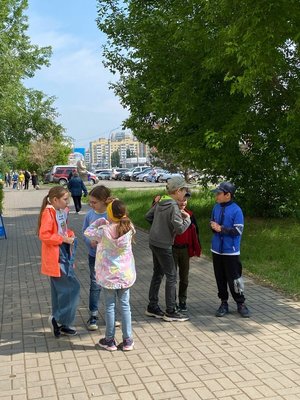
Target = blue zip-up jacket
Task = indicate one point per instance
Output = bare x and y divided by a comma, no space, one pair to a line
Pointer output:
230,217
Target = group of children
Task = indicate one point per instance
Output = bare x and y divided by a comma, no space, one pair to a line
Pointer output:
108,233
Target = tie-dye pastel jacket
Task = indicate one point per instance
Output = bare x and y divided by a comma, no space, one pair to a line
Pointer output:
114,266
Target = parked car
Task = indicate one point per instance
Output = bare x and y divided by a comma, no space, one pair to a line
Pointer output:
104,175
121,175
47,177
138,176
128,175
165,177
149,175
116,172
61,173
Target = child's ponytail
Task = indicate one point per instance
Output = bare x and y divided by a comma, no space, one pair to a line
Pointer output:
117,212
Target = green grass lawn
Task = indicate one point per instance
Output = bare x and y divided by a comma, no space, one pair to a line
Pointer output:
270,247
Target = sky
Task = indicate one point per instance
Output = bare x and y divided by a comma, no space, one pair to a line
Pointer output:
88,108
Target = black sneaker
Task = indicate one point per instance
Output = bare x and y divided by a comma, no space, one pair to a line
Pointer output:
175,316
222,310
55,328
92,323
155,312
68,331
243,310
182,307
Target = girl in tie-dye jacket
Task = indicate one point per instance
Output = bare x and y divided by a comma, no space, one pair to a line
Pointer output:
115,270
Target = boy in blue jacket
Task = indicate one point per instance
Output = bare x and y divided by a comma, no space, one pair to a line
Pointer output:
227,223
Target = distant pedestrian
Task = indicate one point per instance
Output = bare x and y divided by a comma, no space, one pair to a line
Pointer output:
15,180
7,179
21,180
115,270
227,223
98,198
77,187
58,260
34,180
27,176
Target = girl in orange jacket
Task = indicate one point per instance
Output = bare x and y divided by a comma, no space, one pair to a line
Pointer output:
57,262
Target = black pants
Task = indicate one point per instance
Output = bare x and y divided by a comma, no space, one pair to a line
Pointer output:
182,262
163,264
77,202
227,269
26,185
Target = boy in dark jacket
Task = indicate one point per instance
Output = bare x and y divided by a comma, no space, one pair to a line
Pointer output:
227,223
185,246
167,222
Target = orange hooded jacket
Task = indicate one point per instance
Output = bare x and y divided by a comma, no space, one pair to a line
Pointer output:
51,241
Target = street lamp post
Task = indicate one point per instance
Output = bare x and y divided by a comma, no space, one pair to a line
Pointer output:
109,146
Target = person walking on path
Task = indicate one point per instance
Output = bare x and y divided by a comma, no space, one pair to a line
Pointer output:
15,180
76,187
227,223
26,179
98,197
115,270
58,247
167,221
34,180
185,246
21,179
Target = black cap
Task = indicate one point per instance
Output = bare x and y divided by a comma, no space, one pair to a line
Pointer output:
225,187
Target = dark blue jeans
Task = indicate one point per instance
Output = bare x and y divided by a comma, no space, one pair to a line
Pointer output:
163,264
95,289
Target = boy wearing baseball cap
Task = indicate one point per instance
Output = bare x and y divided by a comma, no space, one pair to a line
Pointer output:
227,223
167,221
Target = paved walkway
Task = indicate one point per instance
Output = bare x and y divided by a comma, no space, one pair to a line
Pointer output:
226,358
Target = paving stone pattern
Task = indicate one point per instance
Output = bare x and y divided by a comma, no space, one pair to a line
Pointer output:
205,358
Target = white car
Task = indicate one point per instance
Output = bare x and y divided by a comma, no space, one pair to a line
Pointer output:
167,176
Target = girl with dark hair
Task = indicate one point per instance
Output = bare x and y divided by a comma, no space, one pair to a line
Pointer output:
115,270
58,246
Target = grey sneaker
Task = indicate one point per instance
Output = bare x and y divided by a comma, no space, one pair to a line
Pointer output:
222,310
243,310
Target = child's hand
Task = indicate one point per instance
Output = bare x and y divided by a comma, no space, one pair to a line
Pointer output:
184,214
94,244
216,227
68,240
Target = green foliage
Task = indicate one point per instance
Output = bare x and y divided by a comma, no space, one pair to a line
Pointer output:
115,159
217,84
24,113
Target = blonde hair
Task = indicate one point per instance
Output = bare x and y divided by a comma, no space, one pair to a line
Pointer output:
119,211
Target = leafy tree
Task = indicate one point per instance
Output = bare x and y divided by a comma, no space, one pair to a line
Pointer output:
24,113
217,84
115,159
